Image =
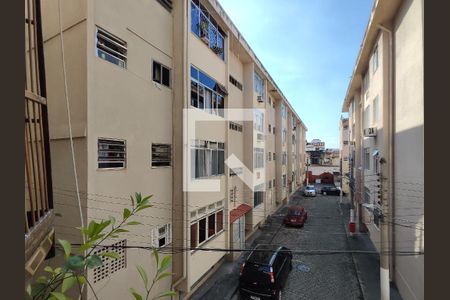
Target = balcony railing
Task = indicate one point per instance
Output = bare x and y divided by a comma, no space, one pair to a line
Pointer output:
38,221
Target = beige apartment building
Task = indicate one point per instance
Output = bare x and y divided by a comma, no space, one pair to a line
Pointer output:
385,104
137,73
344,154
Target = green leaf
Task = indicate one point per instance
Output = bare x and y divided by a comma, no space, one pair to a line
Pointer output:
156,255
163,275
143,207
37,288
75,262
165,263
59,296
110,254
67,248
138,197
57,270
85,246
42,279
81,279
68,282
143,275
48,269
134,223
126,213
135,294
100,227
28,290
166,294
94,261
91,227
118,230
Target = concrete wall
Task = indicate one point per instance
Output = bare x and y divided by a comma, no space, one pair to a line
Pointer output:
409,148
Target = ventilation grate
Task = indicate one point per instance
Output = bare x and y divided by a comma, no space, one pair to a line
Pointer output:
110,265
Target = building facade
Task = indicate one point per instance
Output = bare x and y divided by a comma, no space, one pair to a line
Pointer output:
135,81
344,154
385,104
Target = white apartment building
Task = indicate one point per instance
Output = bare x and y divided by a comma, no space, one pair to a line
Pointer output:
133,70
385,104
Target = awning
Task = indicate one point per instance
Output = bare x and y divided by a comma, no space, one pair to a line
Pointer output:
239,212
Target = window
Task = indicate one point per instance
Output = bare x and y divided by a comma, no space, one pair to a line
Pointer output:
232,195
293,139
375,59
274,156
161,155
194,235
111,153
161,74
283,111
366,82
258,195
235,126
166,3
283,137
111,48
235,82
270,101
345,142
273,129
207,158
269,156
236,171
259,85
206,227
258,158
259,121
270,128
273,182
205,27
375,110
284,158
284,180
206,93
366,195
367,158
161,236
269,184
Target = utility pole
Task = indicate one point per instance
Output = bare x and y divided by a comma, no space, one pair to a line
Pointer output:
384,232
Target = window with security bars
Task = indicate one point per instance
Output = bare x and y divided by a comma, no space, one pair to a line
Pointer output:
161,236
111,48
161,155
111,153
110,265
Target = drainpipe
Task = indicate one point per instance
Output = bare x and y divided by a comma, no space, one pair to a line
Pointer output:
388,215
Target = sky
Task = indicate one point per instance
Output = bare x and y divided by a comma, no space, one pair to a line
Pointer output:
309,47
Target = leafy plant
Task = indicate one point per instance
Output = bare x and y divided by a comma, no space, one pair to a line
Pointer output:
159,274
76,261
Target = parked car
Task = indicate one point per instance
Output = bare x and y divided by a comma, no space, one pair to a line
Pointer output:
310,190
330,190
265,272
296,216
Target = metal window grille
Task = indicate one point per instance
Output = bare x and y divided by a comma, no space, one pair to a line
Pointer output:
111,153
161,155
111,48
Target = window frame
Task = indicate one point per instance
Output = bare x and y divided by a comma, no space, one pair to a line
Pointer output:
125,153
161,66
219,209
170,155
112,39
375,59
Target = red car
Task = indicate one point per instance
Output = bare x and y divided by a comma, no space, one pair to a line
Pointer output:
296,216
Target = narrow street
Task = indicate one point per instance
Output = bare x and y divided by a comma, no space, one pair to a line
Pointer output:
324,276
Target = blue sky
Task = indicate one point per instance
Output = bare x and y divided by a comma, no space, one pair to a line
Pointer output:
309,47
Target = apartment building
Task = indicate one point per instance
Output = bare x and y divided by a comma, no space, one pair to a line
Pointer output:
344,154
385,104
138,74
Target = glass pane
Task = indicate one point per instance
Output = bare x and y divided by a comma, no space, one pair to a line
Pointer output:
156,72
219,220
194,235
201,97
195,19
202,230
194,73
194,94
166,76
211,225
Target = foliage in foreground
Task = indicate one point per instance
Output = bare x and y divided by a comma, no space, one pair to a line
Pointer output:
71,274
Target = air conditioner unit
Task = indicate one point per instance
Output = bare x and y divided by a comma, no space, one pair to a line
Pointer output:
371,131
259,98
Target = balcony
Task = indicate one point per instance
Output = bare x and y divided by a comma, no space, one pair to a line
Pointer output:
39,214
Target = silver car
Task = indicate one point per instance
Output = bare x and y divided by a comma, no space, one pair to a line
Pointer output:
310,190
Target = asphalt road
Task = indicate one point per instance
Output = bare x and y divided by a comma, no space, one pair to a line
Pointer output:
330,276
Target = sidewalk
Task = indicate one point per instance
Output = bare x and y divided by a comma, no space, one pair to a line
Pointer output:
367,265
